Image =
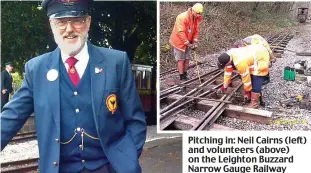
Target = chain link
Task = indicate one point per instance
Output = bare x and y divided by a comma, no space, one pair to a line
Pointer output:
69,139
83,132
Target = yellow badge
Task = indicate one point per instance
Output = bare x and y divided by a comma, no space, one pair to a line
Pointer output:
111,103
72,70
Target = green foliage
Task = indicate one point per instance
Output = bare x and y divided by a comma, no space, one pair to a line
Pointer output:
127,26
24,32
17,80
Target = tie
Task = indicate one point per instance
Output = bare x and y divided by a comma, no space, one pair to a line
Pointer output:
73,74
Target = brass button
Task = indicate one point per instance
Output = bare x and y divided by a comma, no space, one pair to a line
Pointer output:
83,161
55,163
75,93
80,146
57,140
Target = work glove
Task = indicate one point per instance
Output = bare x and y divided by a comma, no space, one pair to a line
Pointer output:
221,90
247,96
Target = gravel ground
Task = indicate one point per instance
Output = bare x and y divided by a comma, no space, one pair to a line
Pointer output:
292,118
29,149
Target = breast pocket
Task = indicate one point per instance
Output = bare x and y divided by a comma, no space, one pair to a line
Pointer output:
112,102
111,117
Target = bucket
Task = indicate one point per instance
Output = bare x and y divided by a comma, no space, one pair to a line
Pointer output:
292,74
286,73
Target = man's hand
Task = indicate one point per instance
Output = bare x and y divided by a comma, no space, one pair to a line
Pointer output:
194,46
272,58
4,91
247,96
190,45
221,90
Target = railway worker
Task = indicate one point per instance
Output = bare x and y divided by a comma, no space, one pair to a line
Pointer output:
6,83
252,62
184,37
87,110
254,40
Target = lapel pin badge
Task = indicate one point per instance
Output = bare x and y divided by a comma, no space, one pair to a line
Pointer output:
98,70
52,75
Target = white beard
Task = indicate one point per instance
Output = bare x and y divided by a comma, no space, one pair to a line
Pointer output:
71,49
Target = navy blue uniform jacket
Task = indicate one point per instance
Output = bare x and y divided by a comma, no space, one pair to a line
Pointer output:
122,134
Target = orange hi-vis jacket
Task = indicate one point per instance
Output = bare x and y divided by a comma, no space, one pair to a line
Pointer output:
257,39
185,30
252,59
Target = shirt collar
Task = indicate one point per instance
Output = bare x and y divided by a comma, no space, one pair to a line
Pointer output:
79,56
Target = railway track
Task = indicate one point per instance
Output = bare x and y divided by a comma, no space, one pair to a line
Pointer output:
24,136
172,71
20,166
201,96
278,39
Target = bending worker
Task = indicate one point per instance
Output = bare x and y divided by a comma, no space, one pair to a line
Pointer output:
257,40
185,37
252,62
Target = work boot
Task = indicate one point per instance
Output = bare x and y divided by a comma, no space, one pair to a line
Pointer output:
185,76
254,100
262,103
181,76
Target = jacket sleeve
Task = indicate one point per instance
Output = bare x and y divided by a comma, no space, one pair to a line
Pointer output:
181,29
10,88
196,35
134,115
3,80
17,111
197,29
227,75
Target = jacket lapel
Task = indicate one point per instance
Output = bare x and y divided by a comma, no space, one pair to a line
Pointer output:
98,78
52,86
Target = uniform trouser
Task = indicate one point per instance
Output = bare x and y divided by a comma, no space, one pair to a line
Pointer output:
257,82
4,99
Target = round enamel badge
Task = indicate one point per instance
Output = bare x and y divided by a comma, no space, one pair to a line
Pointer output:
111,103
52,75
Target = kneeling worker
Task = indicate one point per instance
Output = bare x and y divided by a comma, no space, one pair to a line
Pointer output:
252,62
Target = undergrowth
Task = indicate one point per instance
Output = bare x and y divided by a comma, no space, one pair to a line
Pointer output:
223,24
